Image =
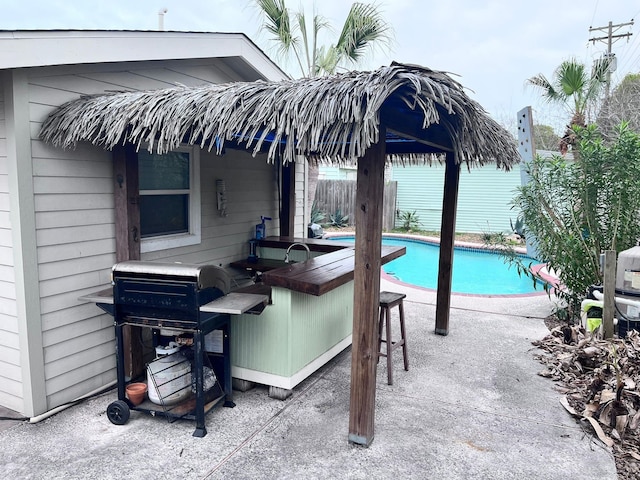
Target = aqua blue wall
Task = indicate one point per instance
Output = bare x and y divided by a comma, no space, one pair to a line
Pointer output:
484,198
328,172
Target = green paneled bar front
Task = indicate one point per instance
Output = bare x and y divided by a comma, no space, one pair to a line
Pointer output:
309,320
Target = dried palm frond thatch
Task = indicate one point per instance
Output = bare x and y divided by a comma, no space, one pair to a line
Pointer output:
334,118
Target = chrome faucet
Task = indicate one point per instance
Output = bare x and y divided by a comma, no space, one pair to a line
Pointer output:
286,255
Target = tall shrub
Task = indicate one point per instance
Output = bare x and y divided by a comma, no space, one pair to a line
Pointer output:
578,208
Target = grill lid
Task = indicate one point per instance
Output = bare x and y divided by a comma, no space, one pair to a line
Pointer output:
205,276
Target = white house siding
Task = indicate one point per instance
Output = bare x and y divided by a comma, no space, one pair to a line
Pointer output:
10,371
74,215
299,229
484,197
252,191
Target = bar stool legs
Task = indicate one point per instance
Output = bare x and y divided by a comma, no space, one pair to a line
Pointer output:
388,300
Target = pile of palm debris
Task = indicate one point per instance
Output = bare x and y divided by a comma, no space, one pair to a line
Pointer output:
600,381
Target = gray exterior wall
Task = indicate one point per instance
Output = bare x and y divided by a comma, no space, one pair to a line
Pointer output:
66,346
11,393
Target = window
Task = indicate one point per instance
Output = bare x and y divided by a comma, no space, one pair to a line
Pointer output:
169,199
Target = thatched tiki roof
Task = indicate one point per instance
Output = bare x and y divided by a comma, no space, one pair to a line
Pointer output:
334,118
400,113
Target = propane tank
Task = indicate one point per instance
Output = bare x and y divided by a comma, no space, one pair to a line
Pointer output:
169,376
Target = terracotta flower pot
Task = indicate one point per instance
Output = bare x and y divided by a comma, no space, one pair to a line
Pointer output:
136,392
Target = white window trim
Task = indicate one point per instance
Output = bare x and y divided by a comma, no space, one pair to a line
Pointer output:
194,235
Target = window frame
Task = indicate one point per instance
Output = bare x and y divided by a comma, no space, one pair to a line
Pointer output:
194,235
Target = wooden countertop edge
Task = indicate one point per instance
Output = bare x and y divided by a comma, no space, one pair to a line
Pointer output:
296,276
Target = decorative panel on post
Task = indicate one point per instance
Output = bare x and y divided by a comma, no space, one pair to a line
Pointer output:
447,239
368,246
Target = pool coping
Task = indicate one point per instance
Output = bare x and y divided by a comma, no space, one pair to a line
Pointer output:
539,270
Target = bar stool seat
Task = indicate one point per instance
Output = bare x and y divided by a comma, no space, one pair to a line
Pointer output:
388,300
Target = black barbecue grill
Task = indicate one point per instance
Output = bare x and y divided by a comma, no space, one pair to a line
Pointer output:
166,294
170,296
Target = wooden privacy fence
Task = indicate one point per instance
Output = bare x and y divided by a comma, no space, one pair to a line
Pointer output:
334,195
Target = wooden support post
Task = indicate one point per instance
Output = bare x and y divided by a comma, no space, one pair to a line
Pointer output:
609,292
447,239
127,225
288,200
368,245
126,197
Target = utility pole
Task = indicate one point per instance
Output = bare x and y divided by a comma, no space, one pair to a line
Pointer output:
610,37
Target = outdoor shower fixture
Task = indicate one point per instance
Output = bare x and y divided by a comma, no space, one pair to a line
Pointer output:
286,255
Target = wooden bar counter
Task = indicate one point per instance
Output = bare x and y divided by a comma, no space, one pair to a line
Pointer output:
310,318
324,273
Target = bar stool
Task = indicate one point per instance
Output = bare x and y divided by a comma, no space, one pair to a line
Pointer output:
388,300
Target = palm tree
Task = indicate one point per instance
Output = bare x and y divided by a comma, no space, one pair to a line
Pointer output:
363,29
575,89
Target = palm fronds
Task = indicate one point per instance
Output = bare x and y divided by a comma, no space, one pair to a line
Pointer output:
334,118
363,27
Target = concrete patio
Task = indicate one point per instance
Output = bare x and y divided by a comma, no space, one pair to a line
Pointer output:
470,406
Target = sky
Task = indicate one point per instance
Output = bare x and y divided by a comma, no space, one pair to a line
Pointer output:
490,46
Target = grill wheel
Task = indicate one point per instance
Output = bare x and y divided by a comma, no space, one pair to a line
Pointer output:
118,412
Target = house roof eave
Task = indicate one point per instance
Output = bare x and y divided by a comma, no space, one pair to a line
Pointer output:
40,48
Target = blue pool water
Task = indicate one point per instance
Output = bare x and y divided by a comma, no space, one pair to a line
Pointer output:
474,271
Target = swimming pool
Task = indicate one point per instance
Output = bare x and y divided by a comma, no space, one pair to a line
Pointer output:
475,271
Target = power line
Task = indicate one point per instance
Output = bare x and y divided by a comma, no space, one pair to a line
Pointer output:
630,59
595,9
630,54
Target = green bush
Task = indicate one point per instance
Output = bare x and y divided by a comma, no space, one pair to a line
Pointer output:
577,209
338,220
518,227
409,220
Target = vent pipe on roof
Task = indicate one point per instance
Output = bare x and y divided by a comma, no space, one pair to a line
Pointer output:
161,18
